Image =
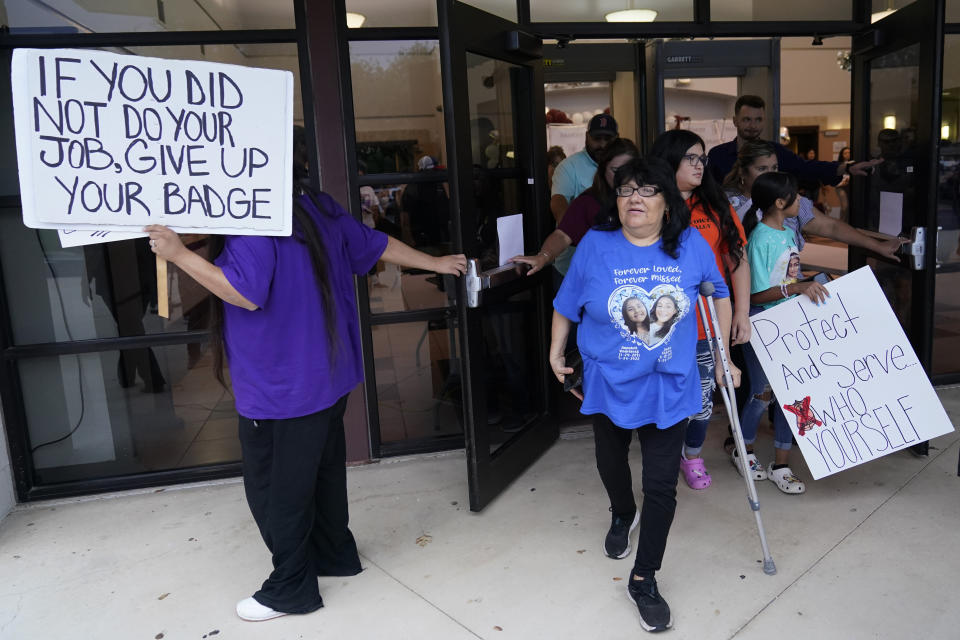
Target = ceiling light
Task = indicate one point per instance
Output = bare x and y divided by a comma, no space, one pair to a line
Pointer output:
632,15
355,20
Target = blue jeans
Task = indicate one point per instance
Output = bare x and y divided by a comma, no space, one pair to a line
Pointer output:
755,408
697,427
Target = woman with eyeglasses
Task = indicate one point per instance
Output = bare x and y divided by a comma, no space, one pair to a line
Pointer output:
631,388
712,216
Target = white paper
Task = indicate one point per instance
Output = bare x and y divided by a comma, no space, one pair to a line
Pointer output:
510,234
78,238
849,359
891,213
115,142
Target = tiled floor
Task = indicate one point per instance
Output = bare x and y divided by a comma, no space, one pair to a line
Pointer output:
869,553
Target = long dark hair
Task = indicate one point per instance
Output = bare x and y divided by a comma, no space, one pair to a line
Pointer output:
631,325
306,232
665,329
656,172
672,146
747,154
767,188
600,189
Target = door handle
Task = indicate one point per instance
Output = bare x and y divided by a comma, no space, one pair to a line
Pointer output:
477,281
916,248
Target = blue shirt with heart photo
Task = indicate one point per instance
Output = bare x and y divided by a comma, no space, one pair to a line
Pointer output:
637,334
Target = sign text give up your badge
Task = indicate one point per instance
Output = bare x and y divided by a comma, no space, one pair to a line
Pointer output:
845,376
115,142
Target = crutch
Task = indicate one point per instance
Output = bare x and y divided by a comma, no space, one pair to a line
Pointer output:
712,326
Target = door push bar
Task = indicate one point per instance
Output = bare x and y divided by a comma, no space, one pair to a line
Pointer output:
916,248
477,280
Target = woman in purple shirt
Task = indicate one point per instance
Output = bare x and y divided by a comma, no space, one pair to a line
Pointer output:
291,336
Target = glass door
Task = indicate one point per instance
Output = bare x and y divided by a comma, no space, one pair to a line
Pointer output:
496,145
896,97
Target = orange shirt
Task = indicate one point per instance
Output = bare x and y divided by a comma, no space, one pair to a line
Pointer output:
711,233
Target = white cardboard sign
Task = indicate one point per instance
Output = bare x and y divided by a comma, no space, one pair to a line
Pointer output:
852,382
109,142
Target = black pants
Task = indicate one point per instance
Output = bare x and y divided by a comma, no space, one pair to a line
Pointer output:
295,478
660,454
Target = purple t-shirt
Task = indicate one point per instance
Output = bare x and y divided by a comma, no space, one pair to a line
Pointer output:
280,362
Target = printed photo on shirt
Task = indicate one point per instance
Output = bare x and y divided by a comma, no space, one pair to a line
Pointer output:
647,318
786,270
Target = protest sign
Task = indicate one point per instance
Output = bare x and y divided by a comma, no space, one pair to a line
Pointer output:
845,376
110,143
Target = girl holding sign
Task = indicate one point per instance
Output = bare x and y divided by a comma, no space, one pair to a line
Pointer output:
771,251
290,334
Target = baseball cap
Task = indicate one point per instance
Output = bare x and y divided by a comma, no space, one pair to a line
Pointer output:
602,123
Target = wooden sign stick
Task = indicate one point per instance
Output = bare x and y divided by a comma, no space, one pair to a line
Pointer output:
163,296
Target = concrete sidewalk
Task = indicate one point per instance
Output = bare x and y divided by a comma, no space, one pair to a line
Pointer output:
869,553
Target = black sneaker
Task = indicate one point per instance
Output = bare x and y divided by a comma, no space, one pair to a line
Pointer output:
654,610
617,544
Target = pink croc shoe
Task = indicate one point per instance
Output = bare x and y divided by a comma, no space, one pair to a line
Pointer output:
695,473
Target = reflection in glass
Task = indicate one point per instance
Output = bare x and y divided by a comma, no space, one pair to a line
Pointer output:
85,419
417,369
511,366
946,310
418,214
946,319
96,291
391,78
892,136
83,16
492,124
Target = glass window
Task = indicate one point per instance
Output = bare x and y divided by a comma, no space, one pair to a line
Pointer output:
417,370
418,214
126,412
376,13
397,104
946,310
952,13
880,9
552,11
100,16
764,10
415,13
96,291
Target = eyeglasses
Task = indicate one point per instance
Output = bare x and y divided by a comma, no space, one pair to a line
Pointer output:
692,159
647,191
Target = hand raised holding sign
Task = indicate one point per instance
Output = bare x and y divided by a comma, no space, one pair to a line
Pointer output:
164,242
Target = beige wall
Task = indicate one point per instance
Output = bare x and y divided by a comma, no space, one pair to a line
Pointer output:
812,84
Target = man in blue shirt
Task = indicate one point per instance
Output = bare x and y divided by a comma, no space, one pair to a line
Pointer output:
575,174
748,116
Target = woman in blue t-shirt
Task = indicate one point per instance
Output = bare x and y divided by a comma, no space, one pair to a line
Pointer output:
771,252
631,385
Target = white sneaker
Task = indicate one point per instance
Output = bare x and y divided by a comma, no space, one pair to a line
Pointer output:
756,469
252,611
786,481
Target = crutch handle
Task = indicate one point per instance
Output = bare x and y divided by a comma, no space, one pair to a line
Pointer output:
707,289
